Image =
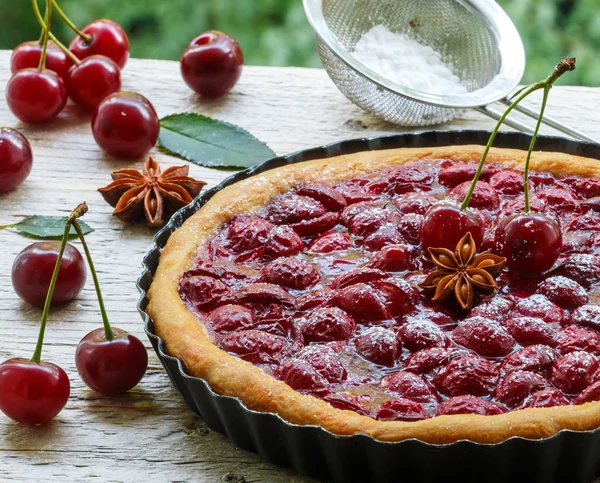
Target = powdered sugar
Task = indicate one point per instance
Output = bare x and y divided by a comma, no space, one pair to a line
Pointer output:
405,61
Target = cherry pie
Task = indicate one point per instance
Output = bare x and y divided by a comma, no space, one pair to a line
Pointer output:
299,291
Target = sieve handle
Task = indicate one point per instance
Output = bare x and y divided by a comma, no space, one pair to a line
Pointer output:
494,114
548,121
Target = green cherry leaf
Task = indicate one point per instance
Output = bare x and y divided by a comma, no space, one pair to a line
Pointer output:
46,227
211,143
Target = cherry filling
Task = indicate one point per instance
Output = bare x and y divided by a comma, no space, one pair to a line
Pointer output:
320,290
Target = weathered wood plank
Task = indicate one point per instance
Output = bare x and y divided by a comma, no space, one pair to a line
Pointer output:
149,434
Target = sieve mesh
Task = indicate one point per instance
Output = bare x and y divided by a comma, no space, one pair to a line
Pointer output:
464,33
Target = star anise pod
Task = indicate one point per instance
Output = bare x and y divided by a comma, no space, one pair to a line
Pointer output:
151,193
463,271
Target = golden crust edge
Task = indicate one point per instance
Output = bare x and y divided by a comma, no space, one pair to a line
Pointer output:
186,339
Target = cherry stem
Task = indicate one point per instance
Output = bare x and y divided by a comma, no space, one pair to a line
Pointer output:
108,333
85,37
532,144
37,355
563,66
52,37
41,20
45,32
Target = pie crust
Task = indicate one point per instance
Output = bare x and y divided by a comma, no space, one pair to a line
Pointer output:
187,340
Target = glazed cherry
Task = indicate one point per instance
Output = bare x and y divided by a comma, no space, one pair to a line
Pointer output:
35,95
27,55
32,392
106,38
91,81
446,223
212,64
15,159
32,272
530,242
125,125
111,366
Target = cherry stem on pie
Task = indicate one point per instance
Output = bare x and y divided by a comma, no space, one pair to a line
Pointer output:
86,37
563,66
108,332
51,36
37,355
45,32
532,144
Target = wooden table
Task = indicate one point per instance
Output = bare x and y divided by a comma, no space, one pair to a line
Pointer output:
149,434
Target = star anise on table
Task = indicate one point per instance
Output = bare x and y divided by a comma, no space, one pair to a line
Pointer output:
463,271
152,194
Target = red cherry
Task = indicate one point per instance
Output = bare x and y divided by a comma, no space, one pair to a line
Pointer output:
255,346
484,196
35,95
32,272
32,392
111,366
291,273
229,318
328,324
301,376
108,39
282,241
401,410
204,293
91,81
324,193
410,386
325,361
212,64
15,159
469,405
446,223
530,242
27,55
125,125
293,208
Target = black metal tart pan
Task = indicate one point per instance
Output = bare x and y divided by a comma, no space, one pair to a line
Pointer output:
568,456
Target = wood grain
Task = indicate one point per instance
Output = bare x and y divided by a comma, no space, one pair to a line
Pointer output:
149,434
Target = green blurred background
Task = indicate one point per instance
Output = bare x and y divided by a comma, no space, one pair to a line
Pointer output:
275,32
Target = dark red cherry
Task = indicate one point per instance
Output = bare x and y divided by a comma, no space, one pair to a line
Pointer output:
95,78
107,38
446,223
16,159
35,95
212,64
530,242
125,125
111,366
32,271
469,405
32,392
27,55
401,410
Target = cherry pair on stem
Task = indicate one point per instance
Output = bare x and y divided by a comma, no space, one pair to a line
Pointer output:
46,72
109,360
531,242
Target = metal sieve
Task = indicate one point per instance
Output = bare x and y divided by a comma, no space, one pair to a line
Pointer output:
475,37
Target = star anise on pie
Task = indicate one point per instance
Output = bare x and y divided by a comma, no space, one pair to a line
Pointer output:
463,271
151,193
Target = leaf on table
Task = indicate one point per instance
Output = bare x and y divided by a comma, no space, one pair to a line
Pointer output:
47,227
211,143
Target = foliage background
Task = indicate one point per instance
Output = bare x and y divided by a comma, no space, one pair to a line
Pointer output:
275,32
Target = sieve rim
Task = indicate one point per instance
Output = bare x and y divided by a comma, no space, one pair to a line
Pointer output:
510,47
